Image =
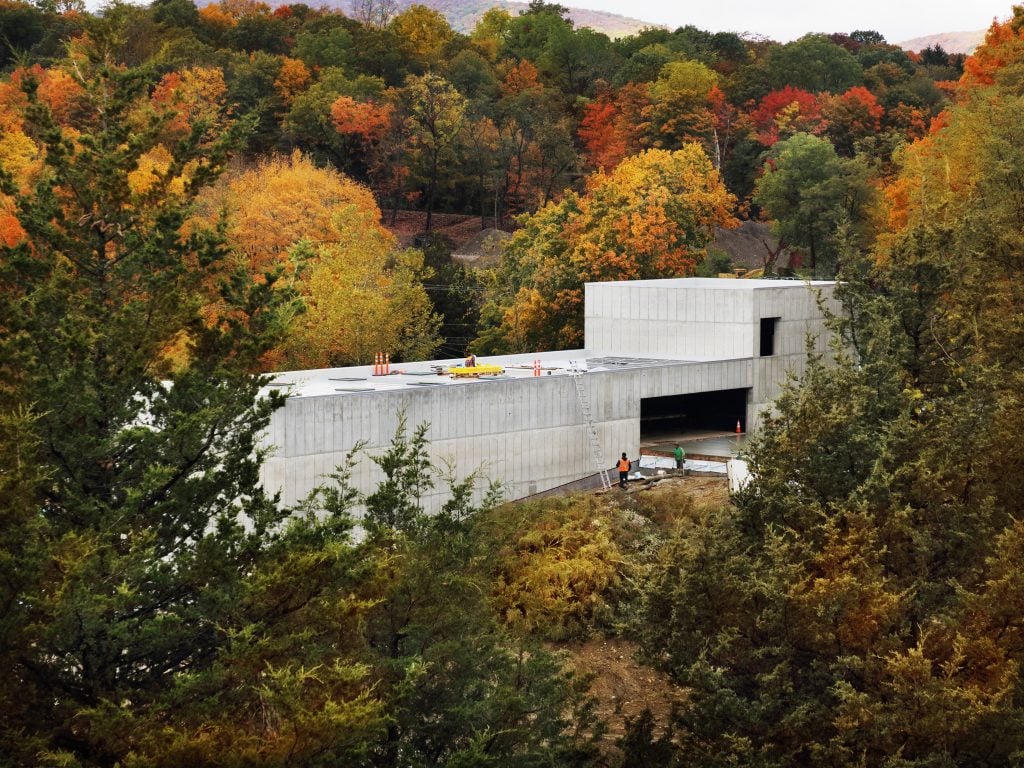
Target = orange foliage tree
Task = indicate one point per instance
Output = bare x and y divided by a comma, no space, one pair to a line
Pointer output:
292,80
651,217
1000,58
366,120
851,116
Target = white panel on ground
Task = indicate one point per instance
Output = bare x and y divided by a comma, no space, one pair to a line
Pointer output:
739,474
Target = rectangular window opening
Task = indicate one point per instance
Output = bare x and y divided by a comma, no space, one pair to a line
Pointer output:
768,325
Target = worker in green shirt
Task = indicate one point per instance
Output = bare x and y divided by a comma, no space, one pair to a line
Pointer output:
680,455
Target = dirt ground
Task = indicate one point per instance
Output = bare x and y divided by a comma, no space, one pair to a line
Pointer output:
622,686
704,489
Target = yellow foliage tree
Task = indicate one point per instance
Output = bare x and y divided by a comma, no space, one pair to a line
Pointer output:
362,296
423,30
362,293
559,566
20,157
280,201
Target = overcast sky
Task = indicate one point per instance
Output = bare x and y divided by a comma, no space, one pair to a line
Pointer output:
786,20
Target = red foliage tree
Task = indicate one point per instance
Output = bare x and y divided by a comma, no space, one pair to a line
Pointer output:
613,125
784,112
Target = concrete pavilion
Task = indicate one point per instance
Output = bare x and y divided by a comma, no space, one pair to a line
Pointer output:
680,354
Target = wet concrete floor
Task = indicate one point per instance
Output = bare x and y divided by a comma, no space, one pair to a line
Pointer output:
697,444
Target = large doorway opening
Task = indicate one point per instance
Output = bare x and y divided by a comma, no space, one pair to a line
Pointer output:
675,416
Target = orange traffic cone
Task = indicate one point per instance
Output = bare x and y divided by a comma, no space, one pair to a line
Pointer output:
739,429
387,363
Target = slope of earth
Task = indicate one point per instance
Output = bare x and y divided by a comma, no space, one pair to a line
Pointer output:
748,244
623,687
459,229
950,42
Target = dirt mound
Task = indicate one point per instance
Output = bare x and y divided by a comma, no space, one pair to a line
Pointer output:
746,245
483,250
622,686
458,228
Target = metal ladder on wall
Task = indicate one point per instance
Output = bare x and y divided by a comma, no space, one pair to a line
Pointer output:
595,444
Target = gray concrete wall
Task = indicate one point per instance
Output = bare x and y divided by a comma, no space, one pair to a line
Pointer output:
800,319
529,432
658,318
711,319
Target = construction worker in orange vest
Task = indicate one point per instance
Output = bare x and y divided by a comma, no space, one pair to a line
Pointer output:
624,466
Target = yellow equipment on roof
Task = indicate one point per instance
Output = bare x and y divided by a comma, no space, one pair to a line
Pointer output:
463,371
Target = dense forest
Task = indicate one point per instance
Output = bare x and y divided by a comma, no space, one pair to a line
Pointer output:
192,197
608,158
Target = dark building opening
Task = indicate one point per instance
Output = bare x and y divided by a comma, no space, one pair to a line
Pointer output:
676,415
768,325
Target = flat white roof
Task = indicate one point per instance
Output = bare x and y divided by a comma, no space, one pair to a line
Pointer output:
433,373
428,374
717,283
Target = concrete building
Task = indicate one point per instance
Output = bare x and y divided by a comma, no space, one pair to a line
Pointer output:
659,356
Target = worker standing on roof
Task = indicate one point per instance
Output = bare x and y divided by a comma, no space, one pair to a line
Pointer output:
624,466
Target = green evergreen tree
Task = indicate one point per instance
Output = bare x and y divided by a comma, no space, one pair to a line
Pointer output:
139,515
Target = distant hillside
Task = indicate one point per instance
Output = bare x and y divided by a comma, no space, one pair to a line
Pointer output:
951,42
464,14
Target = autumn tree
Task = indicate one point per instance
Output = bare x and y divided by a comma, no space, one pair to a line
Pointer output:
785,112
536,149
613,125
650,217
679,110
489,33
857,594
193,94
361,293
434,116
851,116
424,32
310,125
137,554
292,79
